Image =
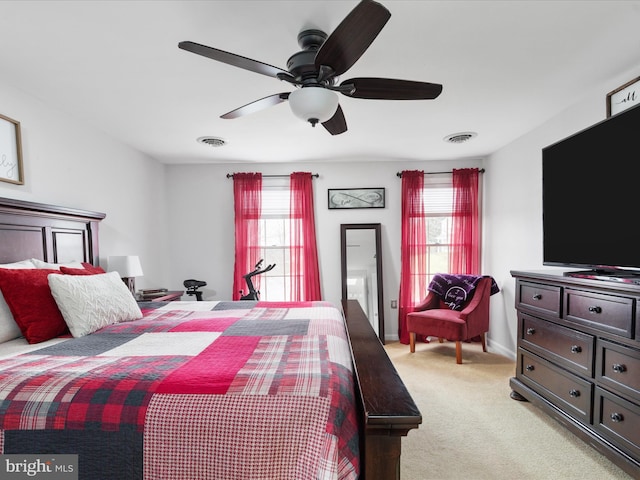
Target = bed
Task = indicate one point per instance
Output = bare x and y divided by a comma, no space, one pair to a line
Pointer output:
194,389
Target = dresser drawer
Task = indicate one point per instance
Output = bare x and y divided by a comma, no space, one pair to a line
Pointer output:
619,368
618,420
608,313
568,347
569,392
540,298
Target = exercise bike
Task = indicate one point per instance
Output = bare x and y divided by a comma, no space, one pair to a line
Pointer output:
253,293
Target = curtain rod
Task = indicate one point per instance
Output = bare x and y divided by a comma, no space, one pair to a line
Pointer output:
313,175
399,174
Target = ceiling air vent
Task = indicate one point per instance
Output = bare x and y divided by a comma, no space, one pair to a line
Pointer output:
459,137
212,141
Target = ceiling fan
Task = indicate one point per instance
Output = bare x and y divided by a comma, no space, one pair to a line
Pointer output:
315,70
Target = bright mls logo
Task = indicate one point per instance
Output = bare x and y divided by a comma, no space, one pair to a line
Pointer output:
56,467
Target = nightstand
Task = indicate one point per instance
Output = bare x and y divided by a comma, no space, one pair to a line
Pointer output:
169,296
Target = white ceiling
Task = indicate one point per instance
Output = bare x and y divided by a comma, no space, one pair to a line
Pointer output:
506,67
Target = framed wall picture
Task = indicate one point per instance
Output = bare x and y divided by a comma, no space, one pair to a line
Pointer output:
10,151
356,198
623,97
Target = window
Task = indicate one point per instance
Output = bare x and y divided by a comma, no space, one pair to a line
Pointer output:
275,223
437,197
440,233
438,210
274,236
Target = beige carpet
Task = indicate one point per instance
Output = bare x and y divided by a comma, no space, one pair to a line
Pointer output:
472,430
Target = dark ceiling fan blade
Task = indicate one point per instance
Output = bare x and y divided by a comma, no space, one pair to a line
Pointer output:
258,105
336,124
233,59
352,37
391,89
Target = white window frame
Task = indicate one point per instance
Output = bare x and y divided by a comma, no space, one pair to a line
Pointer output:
275,285
438,204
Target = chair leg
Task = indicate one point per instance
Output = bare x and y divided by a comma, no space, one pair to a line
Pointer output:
412,342
458,352
484,344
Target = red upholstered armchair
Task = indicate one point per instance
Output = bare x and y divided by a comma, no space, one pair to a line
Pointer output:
434,318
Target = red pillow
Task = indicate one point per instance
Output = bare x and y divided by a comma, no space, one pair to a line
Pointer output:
87,270
93,268
33,307
75,271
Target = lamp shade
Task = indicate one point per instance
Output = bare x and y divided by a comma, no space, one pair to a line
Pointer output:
313,104
126,265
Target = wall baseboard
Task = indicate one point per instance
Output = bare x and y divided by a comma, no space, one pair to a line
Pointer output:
501,350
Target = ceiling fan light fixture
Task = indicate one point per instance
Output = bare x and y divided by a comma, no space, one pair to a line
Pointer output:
313,104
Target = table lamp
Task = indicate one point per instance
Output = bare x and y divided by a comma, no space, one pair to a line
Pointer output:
128,266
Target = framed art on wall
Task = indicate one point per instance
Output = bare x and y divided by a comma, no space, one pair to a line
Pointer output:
356,198
10,151
623,97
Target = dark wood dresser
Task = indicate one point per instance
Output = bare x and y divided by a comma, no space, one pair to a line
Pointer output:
578,358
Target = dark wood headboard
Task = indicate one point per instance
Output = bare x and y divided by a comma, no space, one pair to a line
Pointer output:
48,232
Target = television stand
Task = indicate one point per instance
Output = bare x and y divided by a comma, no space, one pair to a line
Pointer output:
607,275
578,359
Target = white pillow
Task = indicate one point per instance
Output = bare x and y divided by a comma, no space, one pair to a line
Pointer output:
55,266
18,265
91,302
8,327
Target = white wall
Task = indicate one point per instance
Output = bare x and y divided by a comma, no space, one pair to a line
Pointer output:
70,164
201,234
513,206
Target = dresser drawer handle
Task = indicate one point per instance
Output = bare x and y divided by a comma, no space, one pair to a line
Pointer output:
619,368
574,393
531,331
537,296
595,309
529,368
617,417
576,349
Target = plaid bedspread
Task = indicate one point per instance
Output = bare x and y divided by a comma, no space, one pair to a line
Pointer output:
193,390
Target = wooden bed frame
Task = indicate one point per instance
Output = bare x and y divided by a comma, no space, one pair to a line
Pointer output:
387,411
47,232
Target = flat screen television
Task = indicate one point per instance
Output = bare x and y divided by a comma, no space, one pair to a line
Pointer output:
591,193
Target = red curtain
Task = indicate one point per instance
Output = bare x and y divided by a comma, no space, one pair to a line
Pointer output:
413,261
305,274
465,235
247,197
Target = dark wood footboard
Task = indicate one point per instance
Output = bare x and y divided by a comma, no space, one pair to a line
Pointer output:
387,410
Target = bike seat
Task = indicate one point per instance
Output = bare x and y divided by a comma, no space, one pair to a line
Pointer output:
192,284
